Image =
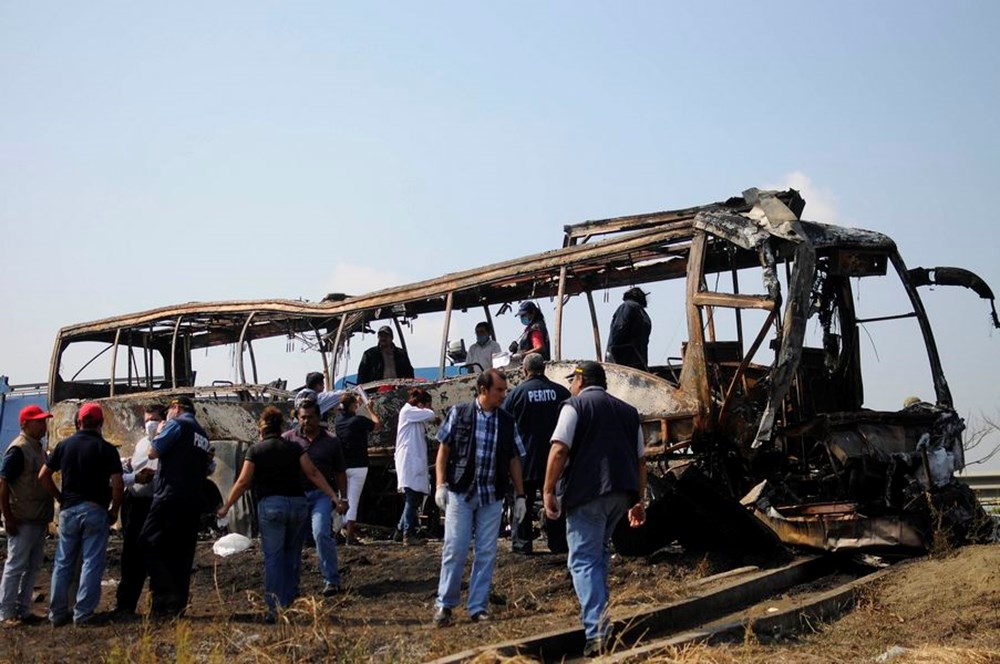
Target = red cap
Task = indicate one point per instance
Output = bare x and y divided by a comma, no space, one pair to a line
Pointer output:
33,412
90,411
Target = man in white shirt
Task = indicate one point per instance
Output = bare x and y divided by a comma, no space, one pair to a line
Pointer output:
138,477
480,354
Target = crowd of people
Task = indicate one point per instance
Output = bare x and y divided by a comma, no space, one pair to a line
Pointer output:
581,449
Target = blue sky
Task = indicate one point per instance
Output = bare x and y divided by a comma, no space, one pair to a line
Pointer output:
154,154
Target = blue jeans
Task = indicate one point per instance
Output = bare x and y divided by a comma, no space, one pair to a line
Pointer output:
83,531
282,521
588,533
24,559
321,515
462,519
408,522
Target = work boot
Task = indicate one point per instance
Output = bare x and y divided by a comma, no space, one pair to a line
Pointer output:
413,540
442,617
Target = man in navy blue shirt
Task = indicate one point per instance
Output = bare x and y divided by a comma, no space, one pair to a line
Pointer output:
535,406
89,499
170,533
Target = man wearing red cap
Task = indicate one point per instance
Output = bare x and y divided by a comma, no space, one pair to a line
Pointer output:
88,504
27,511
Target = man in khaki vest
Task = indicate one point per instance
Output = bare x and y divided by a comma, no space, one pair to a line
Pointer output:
27,512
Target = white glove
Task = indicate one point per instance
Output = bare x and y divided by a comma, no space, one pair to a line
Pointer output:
441,497
520,509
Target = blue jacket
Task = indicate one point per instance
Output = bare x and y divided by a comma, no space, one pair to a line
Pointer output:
185,454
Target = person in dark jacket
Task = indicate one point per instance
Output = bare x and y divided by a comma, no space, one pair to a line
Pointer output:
384,361
535,405
535,338
628,341
274,467
170,533
597,461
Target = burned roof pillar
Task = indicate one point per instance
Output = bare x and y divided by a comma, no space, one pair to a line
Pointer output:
557,347
694,379
792,333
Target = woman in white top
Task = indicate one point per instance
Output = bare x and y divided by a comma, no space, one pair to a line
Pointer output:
411,459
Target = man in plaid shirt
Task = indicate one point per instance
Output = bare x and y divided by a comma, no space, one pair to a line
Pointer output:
480,453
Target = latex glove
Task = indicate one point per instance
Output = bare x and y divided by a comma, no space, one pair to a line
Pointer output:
512,347
520,509
441,497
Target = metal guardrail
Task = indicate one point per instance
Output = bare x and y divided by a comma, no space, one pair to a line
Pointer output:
986,485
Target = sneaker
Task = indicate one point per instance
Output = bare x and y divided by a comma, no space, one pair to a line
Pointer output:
480,617
442,617
521,551
330,589
594,647
397,535
413,540
7,623
32,619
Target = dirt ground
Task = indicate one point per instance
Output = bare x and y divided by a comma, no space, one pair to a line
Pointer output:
938,609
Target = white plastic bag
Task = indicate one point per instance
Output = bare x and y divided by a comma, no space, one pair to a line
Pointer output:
501,360
232,543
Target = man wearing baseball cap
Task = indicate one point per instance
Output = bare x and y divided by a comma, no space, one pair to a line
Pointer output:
597,460
27,510
170,534
385,360
89,499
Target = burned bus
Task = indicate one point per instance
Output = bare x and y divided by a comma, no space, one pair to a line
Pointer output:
762,402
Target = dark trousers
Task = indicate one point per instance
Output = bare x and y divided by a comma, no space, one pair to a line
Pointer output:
168,541
523,535
134,511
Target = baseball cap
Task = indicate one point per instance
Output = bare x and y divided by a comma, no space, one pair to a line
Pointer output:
90,411
32,412
592,372
303,396
527,307
184,402
385,329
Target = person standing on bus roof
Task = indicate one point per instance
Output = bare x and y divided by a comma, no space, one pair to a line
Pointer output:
480,354
384,361
628,341
535,338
